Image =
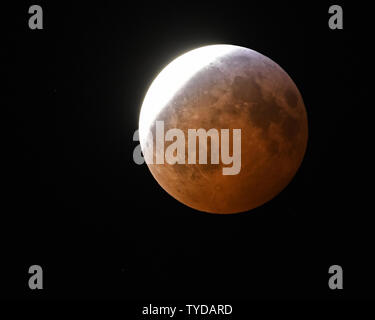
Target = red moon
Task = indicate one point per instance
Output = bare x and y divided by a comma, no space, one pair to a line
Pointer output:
227,87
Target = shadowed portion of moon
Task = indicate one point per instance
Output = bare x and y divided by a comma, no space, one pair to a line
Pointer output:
240,89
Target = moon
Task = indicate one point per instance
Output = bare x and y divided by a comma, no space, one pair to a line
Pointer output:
227,87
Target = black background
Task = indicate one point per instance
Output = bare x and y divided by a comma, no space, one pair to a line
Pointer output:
75,203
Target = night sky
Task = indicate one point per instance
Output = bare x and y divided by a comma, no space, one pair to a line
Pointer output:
74,202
